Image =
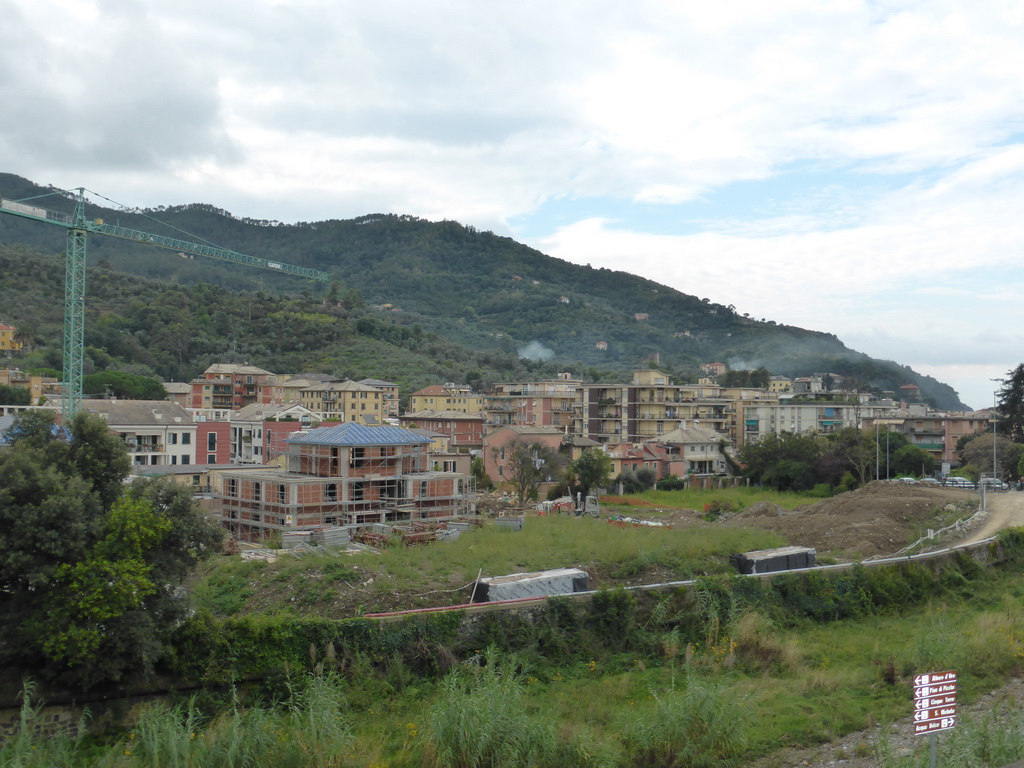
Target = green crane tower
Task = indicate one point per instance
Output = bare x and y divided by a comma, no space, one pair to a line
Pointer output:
78,227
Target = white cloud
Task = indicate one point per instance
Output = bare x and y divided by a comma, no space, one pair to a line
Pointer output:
850,166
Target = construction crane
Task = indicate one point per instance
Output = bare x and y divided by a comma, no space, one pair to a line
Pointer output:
78,228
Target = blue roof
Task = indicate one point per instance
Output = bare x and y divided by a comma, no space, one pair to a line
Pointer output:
351,433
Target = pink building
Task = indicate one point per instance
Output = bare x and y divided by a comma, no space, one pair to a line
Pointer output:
465,431
496,446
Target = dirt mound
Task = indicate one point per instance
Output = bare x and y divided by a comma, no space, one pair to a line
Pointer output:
877,519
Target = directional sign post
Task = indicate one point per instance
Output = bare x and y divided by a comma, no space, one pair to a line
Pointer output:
934,704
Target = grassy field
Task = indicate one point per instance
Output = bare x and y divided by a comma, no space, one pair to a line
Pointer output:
751,687
696,499
344,585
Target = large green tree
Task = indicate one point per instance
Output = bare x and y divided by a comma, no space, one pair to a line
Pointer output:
90,567
591,470
528,465
1011,405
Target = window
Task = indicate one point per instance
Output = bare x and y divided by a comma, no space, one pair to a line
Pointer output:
257,492
281,493
174,459
331,492
357,491
449,466
211,441
186,438
186,459
174,438
423,488
232,487
211,458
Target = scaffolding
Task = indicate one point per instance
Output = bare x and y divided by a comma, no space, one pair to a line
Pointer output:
331,485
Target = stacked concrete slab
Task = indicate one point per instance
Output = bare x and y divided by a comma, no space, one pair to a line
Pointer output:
559,581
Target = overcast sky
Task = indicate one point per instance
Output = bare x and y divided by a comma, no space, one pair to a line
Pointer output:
850,167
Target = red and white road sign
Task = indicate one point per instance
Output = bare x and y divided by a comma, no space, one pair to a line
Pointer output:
934,702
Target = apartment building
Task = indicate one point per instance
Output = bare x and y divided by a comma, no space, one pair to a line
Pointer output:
390,390
812,414
936,432
465,431
540,403
228,386
446,397
257,432
649,406
344,401
157,432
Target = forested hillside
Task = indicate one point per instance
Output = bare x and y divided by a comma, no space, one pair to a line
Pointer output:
465,305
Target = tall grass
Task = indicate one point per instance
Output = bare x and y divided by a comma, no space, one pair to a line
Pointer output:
480,720
991,740
701,726
32,746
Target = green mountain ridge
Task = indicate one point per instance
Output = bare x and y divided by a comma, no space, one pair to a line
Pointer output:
465,305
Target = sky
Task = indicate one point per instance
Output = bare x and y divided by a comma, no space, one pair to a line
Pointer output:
853,167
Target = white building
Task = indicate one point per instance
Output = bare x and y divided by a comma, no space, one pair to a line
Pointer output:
157,432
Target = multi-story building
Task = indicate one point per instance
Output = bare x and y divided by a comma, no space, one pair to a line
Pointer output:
213,442
37,386
390,390
447,397
348,474
497,446
465,431
292,386
9,342
157,432
936,432
257,432
650,405
540,403
344,401
694,450
229,387
812,414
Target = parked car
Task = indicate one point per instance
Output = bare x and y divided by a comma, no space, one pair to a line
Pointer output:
955,481
994,484
929,481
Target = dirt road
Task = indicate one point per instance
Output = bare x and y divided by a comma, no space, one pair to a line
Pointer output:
1005,510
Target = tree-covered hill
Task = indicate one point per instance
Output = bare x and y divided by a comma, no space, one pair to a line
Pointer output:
465,305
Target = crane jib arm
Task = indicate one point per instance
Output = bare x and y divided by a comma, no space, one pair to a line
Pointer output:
182,246
211,251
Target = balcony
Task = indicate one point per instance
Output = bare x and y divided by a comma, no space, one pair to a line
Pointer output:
145,447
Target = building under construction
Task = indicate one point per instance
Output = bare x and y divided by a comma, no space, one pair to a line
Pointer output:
350,474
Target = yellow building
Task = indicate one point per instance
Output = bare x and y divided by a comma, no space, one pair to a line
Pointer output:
344,401
449,397
8,342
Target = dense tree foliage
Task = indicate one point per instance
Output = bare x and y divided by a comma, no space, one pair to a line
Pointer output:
14,395
590,471
470,304
977,455
1011,405
128,386
89,568
843,459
